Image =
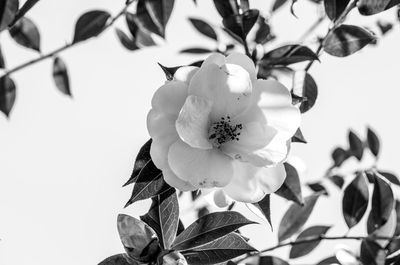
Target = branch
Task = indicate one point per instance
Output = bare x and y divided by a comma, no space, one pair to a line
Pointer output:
312,28
337,23
66,46
313,239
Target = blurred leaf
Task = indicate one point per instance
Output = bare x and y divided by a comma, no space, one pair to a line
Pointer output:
329,261
8,9
2,61
373,142
142,159
298,137
149,183
244,5
263,33
372,7
334,8
355,200
291,188
209,228
301,249
337,180
144,20
126,41
346,40
223,249
356,145
305,87
131,23
241,24
90,24
318,187
60,76
381,206
23,10
25,33
271,260
196,50
384,27
160,12
295,217
163,217
7,94
144,39
288,54
265,206
391,177
119,259
371,253
339,155
202,212
278,4
225,7
204,28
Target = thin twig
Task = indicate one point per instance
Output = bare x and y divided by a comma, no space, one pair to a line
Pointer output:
312,28
66,46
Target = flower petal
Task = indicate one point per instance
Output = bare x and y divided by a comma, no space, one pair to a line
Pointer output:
250,184
193,122
170,97
202,168
221,199
160,125
214,58
159,150
228,86
176,182
245,62
185,73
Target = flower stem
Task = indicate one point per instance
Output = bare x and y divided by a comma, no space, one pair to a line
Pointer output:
64,47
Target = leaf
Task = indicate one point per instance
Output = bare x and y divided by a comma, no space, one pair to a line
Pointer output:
265,206
25,33
384,27
144,20
23,10
7,94
288,54
209,228
355,200
371,253
346,40
119,259
305,87
337,180
163,217
160,12
271,260
372,7
196,50
263,33
126,41
301,249
391,177
204,28
356,145
223,249
295,217
225,7
2,62
8,9
298,137
241,24
339,155
291,188
131,23
382,204
318,187
149,183
373,142
144,39
90,24
60,76
142,159
278,4
329,261
334,8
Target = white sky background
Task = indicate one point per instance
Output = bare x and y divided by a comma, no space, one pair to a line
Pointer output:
63,161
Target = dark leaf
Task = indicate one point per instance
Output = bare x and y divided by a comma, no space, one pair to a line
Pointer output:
384,27
204,28
149,183
382,204
163,217
144,39
372,7
160,12
334,8
119,259
202,212
291,188
373,142
263,33
8,9
306,88
181,227
7,94
226,7
356,145
241,24
346,40
298,137
126,41
142,159
90,24
337,180
60,76
295,217
25,33
196,50
265,206
371,253
223,249
329,261
244,5
169,71
131,23
339,155
301,249
355,200
144,20
271,260
318,187
391,177
233,35
209,228
277,4
288,54
2,61
24,9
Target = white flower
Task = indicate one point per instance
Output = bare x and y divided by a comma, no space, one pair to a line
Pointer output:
218,126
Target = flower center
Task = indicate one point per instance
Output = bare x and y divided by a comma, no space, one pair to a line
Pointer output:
223,131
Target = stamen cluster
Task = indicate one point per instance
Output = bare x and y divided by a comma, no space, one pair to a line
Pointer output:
222,131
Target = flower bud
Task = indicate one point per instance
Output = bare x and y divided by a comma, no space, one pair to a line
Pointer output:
174,258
